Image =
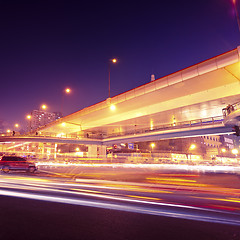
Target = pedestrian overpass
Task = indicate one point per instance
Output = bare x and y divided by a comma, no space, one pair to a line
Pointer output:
211,126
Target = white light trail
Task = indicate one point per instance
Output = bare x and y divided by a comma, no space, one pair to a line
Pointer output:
127,208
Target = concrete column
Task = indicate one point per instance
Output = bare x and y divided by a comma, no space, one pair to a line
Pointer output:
55,151
43,150
102,151
96,151
92,151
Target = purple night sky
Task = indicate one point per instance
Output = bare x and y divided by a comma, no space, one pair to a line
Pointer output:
46,46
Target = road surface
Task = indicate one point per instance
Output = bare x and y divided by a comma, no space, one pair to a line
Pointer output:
162,206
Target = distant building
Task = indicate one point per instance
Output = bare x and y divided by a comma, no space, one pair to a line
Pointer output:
228,142
41,118
213,144
212,141
58,115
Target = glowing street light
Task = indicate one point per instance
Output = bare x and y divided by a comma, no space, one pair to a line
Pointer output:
29,117
44,107
152,145
234,151
65,91
16,127
193,146
114,60
223,150
112,107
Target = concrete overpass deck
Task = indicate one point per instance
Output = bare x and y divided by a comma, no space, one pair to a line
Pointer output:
200,91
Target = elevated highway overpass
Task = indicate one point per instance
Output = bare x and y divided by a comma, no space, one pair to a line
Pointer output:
200,91
177,105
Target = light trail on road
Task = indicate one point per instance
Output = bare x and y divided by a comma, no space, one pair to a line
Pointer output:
203,203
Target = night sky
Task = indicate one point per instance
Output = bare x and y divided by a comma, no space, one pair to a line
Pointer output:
46,46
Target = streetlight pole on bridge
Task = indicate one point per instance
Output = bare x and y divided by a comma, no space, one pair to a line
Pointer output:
65,91
114,60
236,12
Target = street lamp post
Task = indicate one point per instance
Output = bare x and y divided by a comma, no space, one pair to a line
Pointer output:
29,117
223,150
236,12
16,127
114,60
192,147
66,91
44,108
152,146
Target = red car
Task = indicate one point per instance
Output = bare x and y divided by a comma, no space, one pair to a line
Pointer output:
8,163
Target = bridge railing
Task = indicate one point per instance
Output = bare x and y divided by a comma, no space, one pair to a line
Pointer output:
90,135
134,131
176,125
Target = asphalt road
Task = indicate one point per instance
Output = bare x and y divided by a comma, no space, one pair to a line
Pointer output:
31,219
162,206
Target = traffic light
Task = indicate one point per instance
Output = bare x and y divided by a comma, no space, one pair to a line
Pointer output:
236,130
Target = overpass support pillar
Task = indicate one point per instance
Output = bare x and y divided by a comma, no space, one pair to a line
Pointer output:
102,151
98,151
